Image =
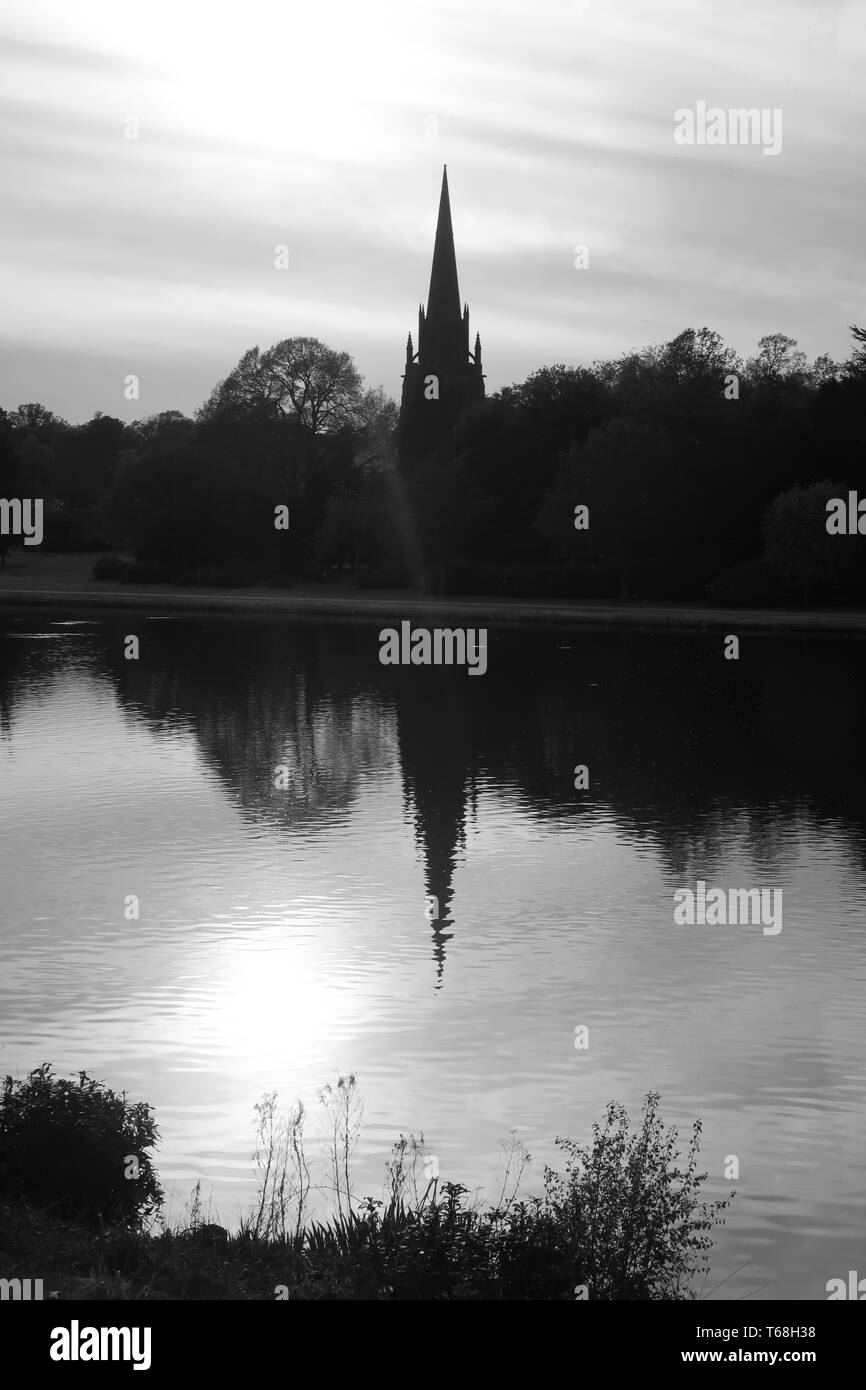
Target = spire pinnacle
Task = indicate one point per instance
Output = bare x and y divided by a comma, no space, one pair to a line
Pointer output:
443,301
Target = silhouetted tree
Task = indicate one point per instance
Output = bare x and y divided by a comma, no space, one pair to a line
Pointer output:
354,528
637,488
856,366
797,543
167,427
778,359
33,418
300,377
87,458
181,507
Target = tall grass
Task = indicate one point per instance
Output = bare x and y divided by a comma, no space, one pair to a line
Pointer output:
284,1176
623,1220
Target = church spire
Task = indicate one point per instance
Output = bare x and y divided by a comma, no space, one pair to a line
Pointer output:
443,301
442,358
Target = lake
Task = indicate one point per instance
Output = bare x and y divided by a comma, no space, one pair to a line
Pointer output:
283,934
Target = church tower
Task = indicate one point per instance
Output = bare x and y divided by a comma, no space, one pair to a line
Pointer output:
443,377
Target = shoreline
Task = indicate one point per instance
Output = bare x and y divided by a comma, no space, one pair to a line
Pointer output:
79,592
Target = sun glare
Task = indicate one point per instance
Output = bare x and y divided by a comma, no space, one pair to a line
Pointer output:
281,76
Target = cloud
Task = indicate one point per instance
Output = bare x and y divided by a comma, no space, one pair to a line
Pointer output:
40,53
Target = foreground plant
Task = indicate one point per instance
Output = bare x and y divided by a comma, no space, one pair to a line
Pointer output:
625,1220
632,1216
78,1147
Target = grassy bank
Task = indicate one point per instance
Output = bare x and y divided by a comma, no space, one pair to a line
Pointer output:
64,583
82,1210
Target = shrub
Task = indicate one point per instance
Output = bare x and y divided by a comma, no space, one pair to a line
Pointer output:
314,573
513,580
110,567
383,579
676,580
629,1215
71,1144
147,572
752,583
230,574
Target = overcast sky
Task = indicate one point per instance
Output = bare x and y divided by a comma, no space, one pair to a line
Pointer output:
324,127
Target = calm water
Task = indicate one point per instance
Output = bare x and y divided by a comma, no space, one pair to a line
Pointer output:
282,935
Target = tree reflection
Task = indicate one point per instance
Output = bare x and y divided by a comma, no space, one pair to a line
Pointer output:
685,750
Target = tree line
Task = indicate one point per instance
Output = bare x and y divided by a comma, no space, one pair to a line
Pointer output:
700,476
